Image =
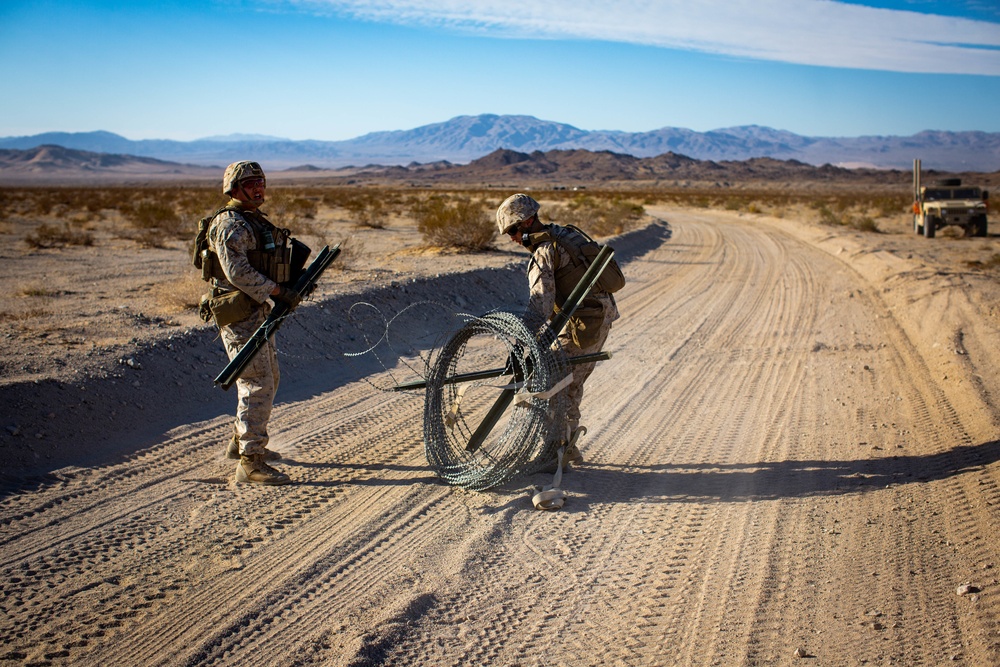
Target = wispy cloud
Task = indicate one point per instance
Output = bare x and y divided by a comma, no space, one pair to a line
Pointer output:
809,32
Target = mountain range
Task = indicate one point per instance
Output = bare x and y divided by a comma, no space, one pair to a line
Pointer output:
467,138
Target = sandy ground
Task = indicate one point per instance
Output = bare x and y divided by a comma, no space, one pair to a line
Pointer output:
792,459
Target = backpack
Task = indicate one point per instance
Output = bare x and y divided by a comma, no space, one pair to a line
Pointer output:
585,249
199,248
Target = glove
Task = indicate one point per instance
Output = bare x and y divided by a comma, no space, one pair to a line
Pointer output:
289,297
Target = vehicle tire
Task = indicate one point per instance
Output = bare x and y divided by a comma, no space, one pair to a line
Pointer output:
981,226
930,226
917,227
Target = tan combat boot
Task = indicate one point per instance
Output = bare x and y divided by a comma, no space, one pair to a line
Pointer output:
233,451
253,470
573,455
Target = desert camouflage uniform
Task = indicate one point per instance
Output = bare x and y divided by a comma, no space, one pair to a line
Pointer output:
545,259
230,236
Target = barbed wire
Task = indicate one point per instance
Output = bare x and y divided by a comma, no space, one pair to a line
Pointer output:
452,412
435,343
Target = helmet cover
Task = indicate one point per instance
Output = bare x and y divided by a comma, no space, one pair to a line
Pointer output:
515,210
239,171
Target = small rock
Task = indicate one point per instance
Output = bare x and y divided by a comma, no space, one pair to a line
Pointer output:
801,653
967,589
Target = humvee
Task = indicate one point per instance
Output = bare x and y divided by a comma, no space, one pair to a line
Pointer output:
948,202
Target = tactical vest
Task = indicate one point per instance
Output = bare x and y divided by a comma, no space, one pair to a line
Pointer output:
581,250
273,256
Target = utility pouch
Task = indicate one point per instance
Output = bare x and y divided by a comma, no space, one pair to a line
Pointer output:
231,307
204,310
206,264
299,254
584,326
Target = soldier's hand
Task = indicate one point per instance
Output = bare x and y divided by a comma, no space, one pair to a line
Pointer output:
287,296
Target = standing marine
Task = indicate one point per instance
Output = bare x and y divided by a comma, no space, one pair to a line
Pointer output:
556,266
247,260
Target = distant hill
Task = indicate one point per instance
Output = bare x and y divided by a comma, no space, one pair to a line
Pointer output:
467,138
55,165
595,168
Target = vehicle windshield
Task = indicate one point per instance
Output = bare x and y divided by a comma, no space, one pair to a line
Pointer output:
936,195
942,194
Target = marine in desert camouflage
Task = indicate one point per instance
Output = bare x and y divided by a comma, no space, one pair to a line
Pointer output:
250,258
553,272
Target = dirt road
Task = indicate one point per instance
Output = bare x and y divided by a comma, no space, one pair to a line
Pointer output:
777,472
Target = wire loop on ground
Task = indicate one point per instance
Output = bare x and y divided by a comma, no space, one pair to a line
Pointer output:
526,440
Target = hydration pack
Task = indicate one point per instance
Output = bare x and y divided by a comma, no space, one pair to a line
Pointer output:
201,254
582,251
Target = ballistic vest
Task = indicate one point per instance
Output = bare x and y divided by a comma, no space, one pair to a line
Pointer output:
273,256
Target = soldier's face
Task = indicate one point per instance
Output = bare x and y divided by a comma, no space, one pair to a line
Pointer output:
517,232
252,190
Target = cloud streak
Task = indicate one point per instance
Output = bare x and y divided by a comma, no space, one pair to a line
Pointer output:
807,32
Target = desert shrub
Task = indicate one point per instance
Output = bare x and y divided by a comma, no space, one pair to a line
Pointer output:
181,293
597,216
196,203
353,256
864,223
52,236
287,210
991,263
457,222
886,207
368,210
36,290
153,223
155,215
828,217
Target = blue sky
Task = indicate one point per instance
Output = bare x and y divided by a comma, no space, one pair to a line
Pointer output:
337,69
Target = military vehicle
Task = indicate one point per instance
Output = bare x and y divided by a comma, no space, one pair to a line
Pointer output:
948,202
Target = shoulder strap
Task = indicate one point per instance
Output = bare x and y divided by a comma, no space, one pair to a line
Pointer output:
580,232
568,236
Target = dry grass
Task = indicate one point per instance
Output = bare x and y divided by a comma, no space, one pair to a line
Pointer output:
991,263
56,236
459,218
23,315
455,222
597,215
180,294
36,291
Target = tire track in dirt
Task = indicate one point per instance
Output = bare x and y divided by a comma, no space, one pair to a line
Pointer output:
771,465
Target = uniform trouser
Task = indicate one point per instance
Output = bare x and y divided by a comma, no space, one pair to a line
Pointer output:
574,392
256,387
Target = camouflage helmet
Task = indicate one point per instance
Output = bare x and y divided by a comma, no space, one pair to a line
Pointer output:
238,171
515,210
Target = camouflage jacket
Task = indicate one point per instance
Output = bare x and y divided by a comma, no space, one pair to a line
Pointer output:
230,237
542,299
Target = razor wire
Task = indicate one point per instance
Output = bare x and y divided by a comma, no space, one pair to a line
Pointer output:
526,442
436,343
